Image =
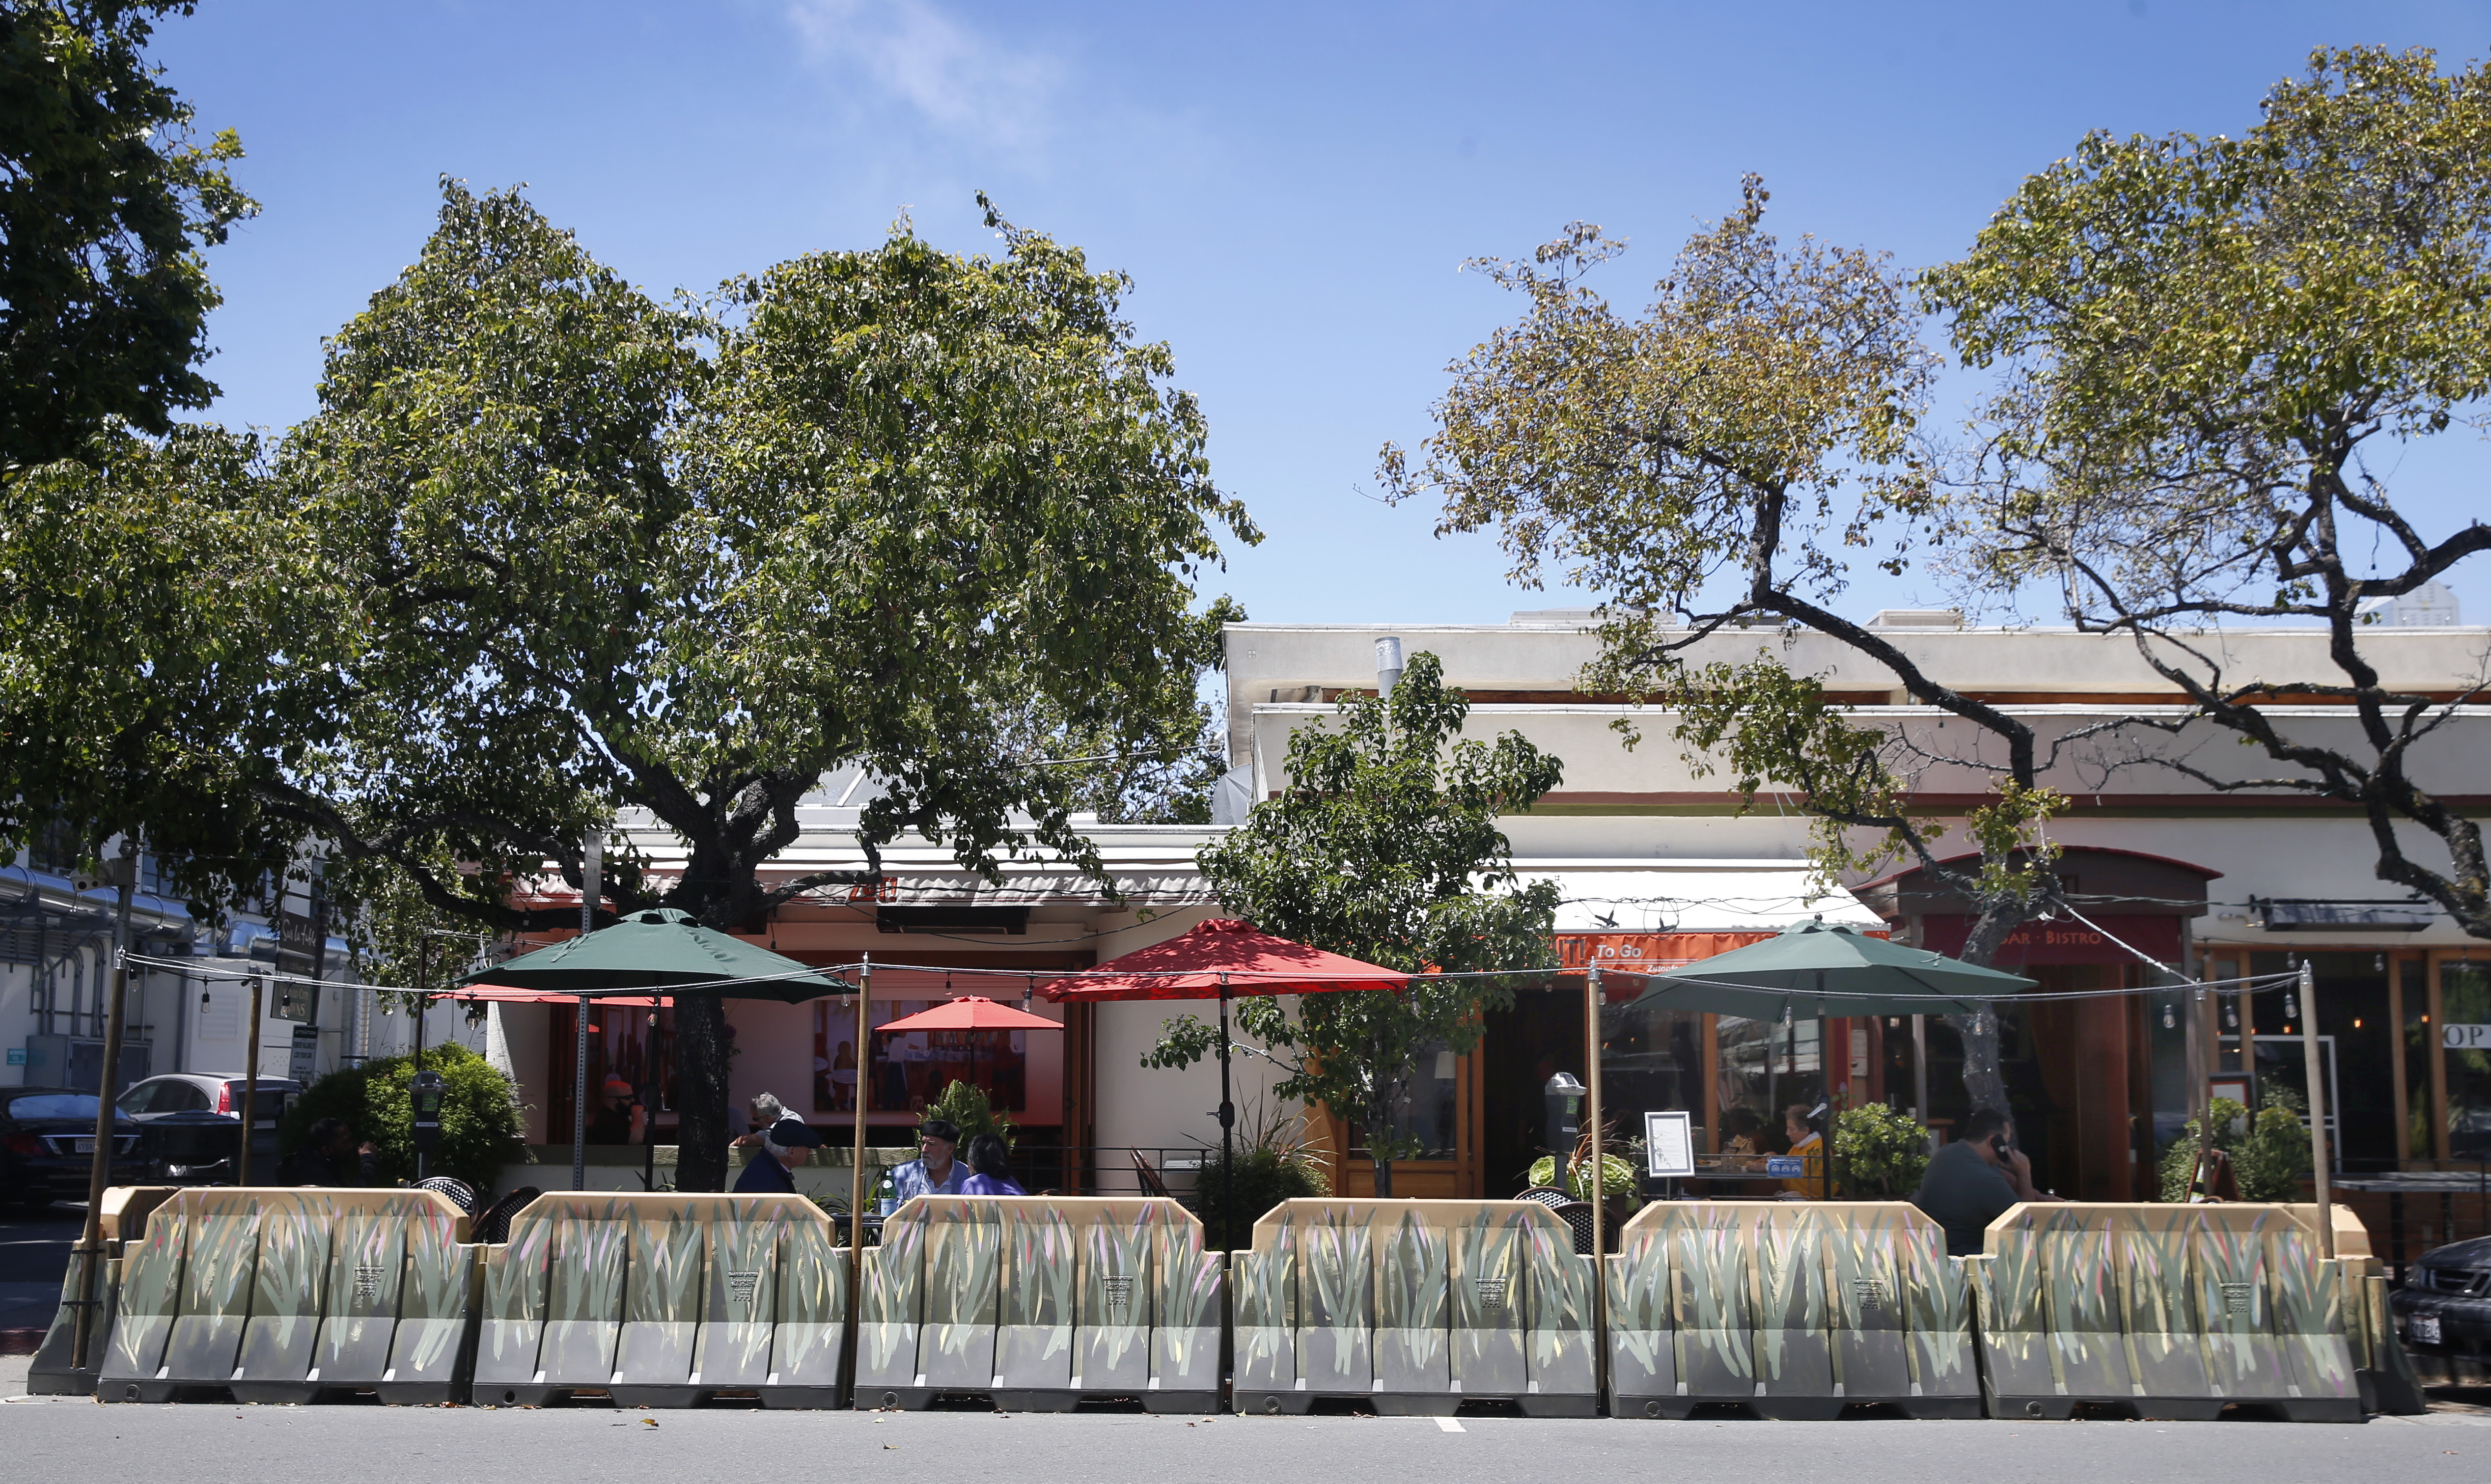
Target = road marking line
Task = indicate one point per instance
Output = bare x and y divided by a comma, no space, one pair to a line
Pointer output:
1449,1425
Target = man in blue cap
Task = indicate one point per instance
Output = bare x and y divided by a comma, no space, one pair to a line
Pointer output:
787,1145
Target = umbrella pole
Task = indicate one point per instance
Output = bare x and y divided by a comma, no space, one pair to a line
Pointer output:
1227,1171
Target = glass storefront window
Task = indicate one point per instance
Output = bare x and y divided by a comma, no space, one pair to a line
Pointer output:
1651,1062
1430,1110
2465,1004
1761,1066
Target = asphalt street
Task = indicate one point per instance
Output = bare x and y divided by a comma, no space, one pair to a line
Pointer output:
49,1440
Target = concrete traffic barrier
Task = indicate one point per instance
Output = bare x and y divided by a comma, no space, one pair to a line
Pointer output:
663,1300
1791,1309
292,1296
1413,1307
1038,1302
2164,1311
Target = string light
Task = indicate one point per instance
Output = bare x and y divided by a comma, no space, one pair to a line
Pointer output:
2169,1020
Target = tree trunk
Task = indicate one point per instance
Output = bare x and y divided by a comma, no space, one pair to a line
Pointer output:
700,1072
1981,1077
1377,1132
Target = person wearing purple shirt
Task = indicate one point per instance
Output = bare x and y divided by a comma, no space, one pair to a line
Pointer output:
992,1162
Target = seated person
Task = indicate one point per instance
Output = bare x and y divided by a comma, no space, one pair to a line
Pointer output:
1971,1182
935,1172
784,1148
619,1118
992,1162
329,1156
1799,1125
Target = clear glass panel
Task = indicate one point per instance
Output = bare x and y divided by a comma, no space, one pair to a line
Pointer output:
1430,1110
2465,1041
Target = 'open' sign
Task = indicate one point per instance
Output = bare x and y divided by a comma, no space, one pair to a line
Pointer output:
2465,1037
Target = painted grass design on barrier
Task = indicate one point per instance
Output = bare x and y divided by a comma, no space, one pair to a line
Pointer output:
889,1305
1411,1282
1335,1289
1187,1297
1639,1312
2309,1314
1790,1288
1560,1351
1043,1277
743,1275
809,1301
291,1270
1707,1266
150,1286
1937,1311
1116,1291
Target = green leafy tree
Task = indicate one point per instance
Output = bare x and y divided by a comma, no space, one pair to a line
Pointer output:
878,507
1710,467
163,645
2203,346
106,202
1384,847
481,1127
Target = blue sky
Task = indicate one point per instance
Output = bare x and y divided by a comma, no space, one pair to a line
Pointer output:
1293,186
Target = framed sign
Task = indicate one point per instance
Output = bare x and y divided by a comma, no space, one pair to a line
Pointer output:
1669,1146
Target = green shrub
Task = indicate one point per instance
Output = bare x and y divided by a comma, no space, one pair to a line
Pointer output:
1879,1154
1617,1176
480,1115
1264,1176
1274,1163
966,1106
2267,1161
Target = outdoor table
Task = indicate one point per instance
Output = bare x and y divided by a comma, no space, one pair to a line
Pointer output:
2397,1185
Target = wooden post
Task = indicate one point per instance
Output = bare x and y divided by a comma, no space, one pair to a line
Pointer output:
1600,1193
856,1169
106,1113
250,1083
2318,1152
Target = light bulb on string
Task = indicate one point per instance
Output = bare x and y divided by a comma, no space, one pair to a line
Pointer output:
2169,1020
2291,1006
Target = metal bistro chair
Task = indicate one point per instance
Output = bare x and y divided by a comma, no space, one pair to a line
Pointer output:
1578,1214
1151,1185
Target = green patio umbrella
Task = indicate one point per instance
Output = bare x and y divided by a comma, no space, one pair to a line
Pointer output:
658,951
1827,970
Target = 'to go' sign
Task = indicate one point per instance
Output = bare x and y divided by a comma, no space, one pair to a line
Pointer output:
2465,1037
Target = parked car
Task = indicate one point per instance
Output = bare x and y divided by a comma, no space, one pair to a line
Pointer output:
192,1119
2444,1306
48,1146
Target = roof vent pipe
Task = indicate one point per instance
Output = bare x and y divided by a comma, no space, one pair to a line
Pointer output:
1387,665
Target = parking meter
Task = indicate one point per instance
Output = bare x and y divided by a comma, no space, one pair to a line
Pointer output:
1564,1095
425,1091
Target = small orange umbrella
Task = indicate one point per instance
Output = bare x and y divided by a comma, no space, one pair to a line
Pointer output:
973,1012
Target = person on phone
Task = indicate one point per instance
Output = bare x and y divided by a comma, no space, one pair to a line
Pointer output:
1971,1182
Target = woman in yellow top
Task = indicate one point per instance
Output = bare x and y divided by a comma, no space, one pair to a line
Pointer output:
1805,1143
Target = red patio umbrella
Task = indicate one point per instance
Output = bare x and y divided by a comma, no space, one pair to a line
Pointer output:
973,1012
1217,959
